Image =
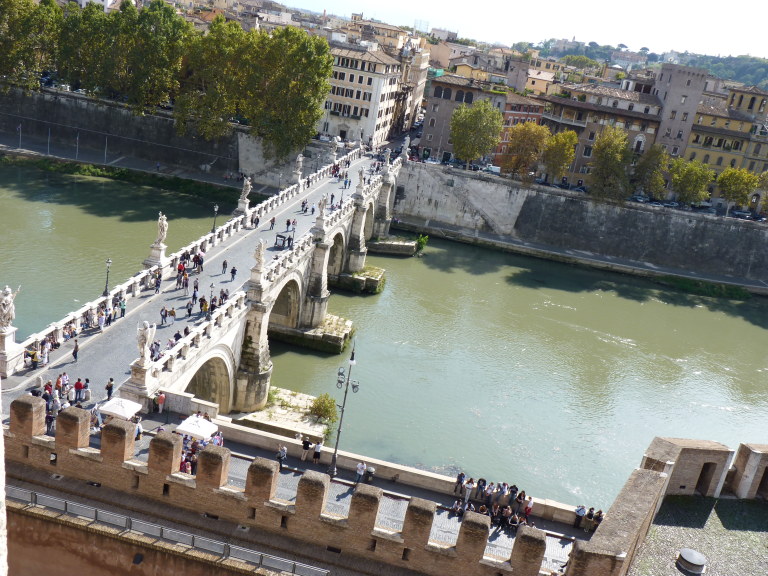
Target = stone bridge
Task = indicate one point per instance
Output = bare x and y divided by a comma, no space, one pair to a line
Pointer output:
225,360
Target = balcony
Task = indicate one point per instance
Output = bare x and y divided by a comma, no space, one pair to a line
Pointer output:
564,119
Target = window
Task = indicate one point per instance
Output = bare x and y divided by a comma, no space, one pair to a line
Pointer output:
431,122
688,83
693,157
719,161
615,104
683,99
438,93
429,137
675,150
468,98
672,114
435,107
668,133
685,116
459,95
587,152
370,80
359,78
757,149
706,159
447,94
591,135
751,165
631,106
351,77
647,110
733,163
679,134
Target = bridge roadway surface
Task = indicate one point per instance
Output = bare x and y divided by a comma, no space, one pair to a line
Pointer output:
108,354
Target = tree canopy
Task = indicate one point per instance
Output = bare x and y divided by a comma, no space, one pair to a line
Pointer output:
277,82
559,153
648,176
611,157
526,142
736,185
475,130
690,180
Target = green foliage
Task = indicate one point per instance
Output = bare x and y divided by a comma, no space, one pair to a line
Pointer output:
421,242
611,158
750,70
14,14
559,153
690,180
475,130
648,176
737,184
579,61
526,142
324,407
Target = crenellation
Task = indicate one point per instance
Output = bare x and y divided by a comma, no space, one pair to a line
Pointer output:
118,441
28,416
213,467
608,553
528,551
73,429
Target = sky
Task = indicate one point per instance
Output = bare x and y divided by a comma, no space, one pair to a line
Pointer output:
660,25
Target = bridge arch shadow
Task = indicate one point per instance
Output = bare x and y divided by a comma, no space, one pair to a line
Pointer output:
213,380
336,256
287,307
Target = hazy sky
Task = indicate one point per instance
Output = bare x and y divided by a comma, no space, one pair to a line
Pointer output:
704,28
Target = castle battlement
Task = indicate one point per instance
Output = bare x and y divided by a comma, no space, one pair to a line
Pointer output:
257,505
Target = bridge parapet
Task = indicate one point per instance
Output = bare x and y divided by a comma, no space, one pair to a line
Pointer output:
282,264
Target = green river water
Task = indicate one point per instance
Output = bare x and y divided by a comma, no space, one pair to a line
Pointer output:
553,377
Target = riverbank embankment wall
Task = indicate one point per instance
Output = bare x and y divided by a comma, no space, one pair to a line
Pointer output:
481,207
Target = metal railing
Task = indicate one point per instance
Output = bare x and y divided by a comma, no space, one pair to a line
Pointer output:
222,549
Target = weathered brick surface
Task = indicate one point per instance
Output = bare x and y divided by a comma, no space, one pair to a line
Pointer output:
73,429
28,416
212,467
118,441
528,552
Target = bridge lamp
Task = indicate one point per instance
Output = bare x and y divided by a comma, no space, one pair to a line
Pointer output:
215,213
343,380
210,301
106,284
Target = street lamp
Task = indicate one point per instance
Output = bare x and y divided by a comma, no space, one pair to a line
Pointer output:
215,213
106,284
343,381
210,301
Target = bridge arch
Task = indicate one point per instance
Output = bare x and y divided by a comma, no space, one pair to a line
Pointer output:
336,255
213,379
286,310
370,217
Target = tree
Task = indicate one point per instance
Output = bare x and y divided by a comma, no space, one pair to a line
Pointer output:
526,143
579,61
13,47
161,37
324,408
611,157
559,153
648,175
210,94
286,83
690,180
42,29
475,130
622,47
736,185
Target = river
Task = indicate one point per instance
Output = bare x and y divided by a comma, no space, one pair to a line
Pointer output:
550,376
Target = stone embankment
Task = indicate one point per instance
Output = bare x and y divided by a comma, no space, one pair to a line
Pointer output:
572,227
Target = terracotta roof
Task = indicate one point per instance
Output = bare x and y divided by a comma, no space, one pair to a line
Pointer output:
721,110
612,92
753,90
513,98
377,56
570,103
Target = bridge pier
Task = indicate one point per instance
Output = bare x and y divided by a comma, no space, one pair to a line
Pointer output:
255,370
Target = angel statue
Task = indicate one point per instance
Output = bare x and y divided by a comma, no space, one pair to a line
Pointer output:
162,228
246,188
259,255
7,308
145,335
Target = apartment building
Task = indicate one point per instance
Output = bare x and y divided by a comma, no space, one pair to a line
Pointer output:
364,87
518,110
587,108
447,93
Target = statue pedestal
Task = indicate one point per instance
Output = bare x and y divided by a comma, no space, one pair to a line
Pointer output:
297,176
11,353
243,206
141,386
156,256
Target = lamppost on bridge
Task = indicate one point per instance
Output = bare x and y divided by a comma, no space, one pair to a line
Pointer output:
106,284
215,213
210,301
343,381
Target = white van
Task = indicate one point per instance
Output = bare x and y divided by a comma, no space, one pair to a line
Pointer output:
492,170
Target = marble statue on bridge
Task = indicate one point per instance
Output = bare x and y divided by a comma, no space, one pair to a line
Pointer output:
361,177
299,163
246,188
145,335
261,248
162,228
7,307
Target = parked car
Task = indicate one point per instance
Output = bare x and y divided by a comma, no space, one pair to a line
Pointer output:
671,204
581,189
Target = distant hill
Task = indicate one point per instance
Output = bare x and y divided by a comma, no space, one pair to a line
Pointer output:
749,70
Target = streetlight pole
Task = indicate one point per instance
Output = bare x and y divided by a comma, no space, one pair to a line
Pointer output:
342,381
210,301
215,213
106,284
